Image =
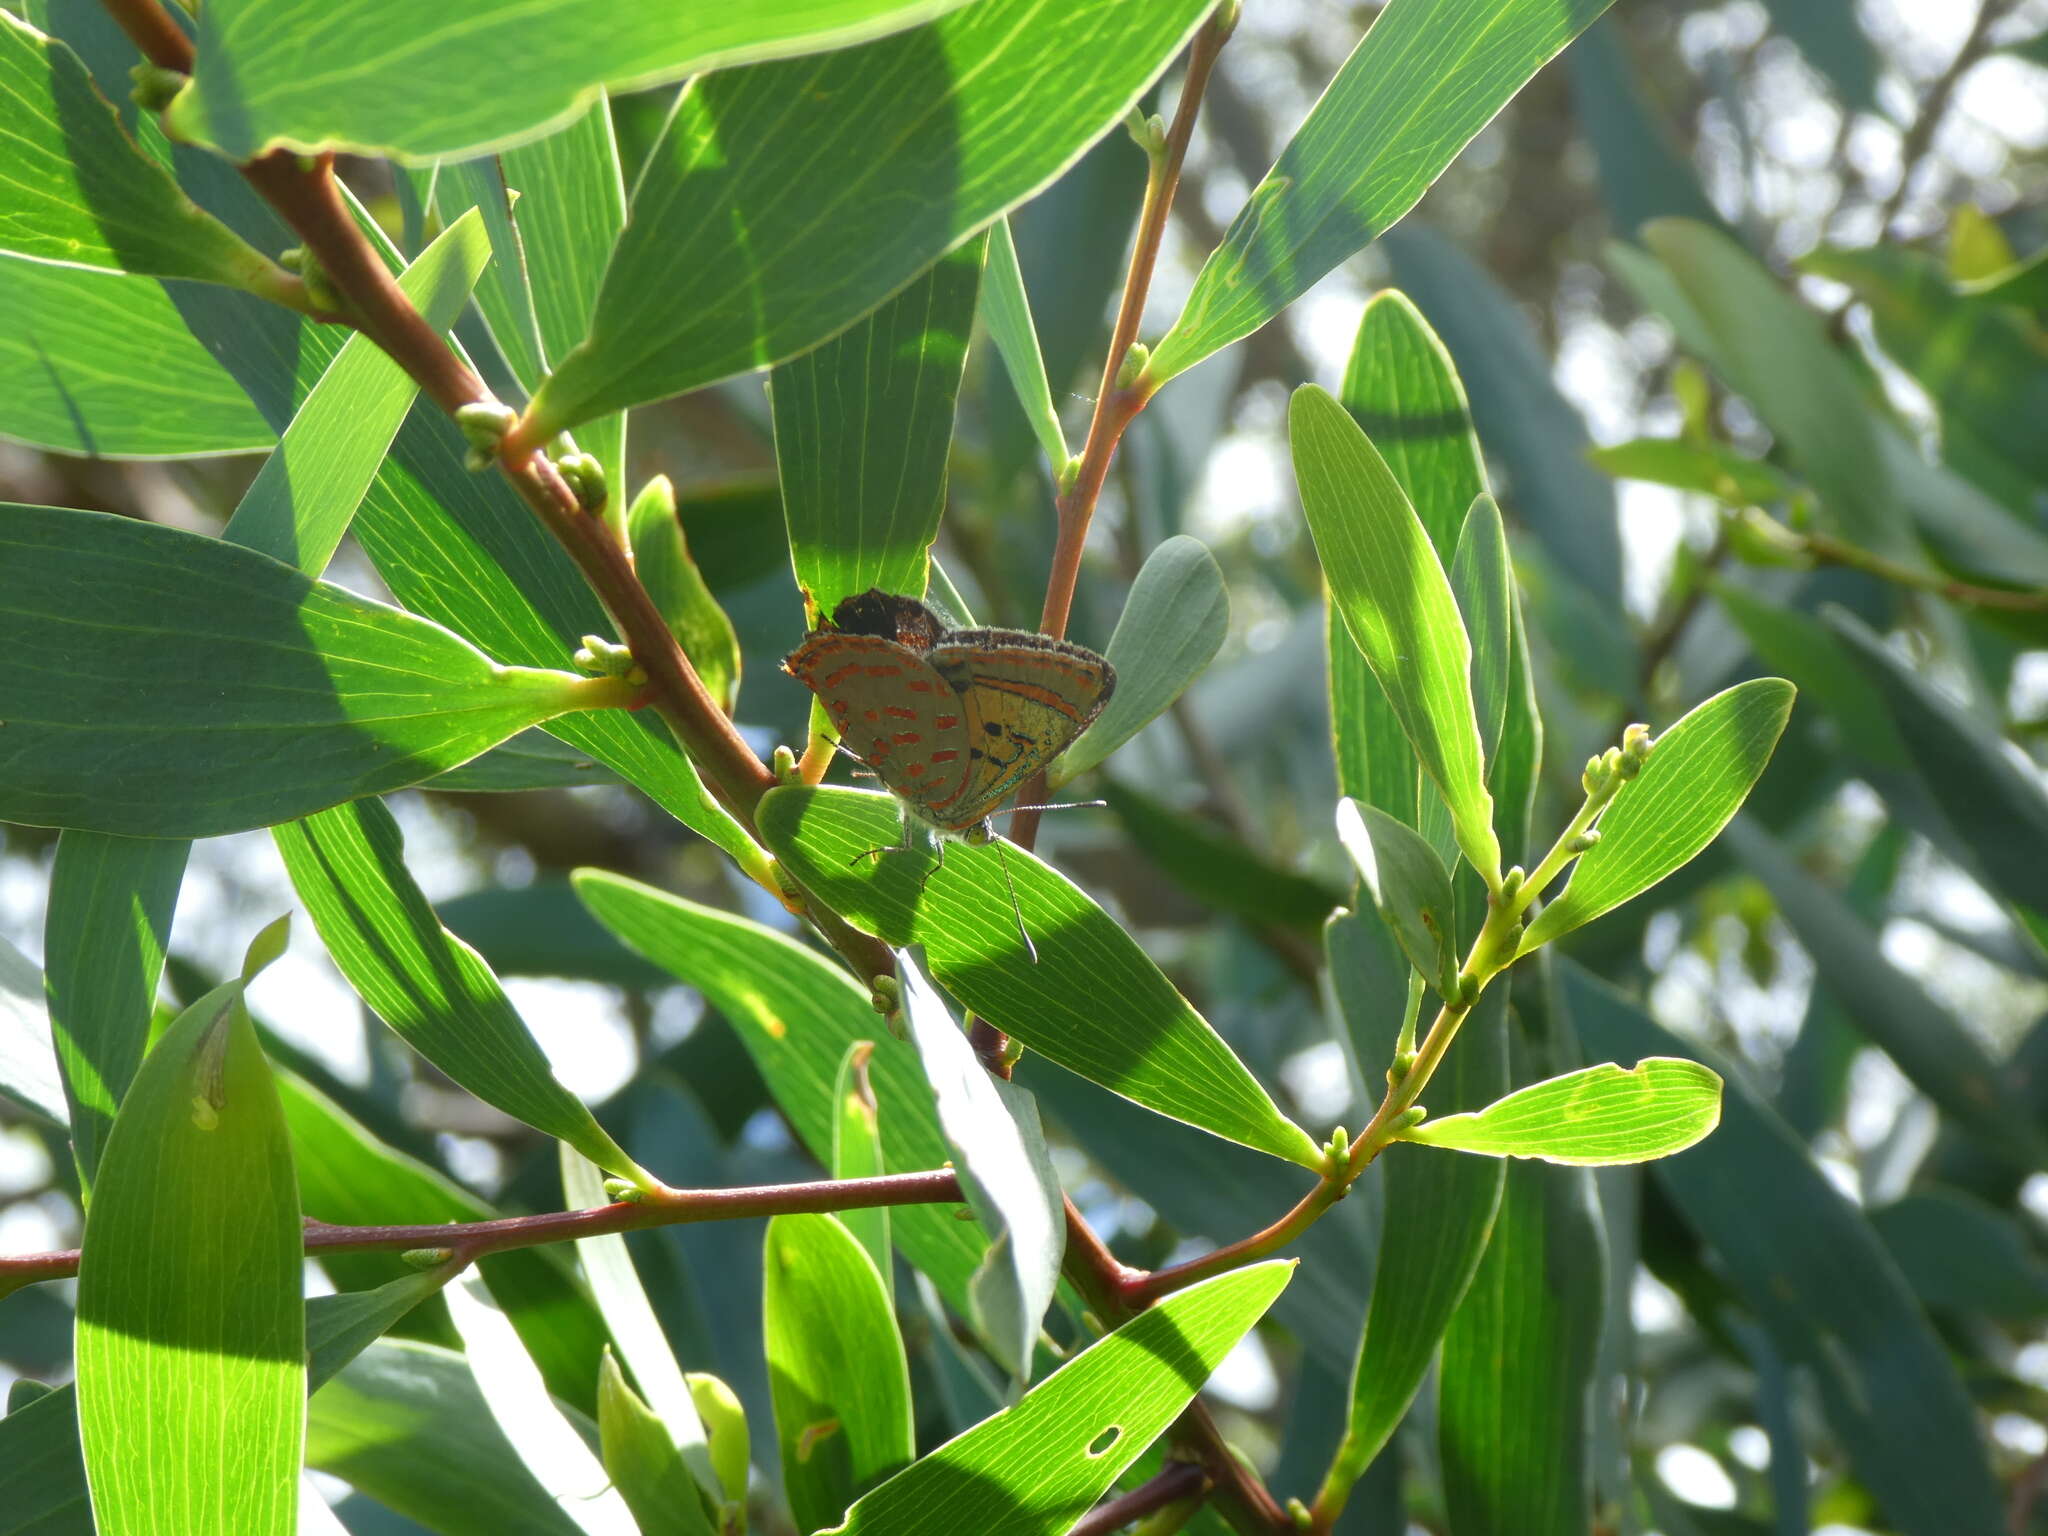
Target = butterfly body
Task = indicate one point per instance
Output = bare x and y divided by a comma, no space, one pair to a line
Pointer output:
951,721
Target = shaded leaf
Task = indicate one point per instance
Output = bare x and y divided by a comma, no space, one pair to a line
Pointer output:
1093,1001
263,79
661,558
1427,76
531,760
331,696
972,103
999,1148
348,866
837,1368
1961,1255
642,1461
863,431
1006,311
1397,603
1483,579
191,1333
1594,1117
1697,776
1709,468
857,1154
1410,887
1173,623
1036,1468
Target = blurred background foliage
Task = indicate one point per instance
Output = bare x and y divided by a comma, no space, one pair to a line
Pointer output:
1870,930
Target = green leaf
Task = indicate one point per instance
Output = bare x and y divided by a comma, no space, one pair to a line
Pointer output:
108,922
1426,77
1036,1468
348,866
101,365
264,79
1892,1010
1518,763
191,1333
1809,1266
1440,1212
768,187
1398,606
1006,311
1801,647
1773,350
863,431
999,1149
642,1460
29,1074
1593,1118
531,760
836,1366
661,557
1697,776
78,190
1518,1363
797,1013
1709,468
127,647
503,295
1211,865
1093,1001
406,1425
540,1431
622,1301
309,488
1994,806
1962,1256
1483,578
1174,622
857,1154
1410,888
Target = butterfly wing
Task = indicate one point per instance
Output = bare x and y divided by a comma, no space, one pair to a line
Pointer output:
893,711
1023,697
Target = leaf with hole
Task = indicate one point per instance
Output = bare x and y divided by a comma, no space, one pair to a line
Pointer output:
1592,1118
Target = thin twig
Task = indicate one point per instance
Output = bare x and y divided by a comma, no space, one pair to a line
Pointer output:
1919,135
1178,1480
469,1240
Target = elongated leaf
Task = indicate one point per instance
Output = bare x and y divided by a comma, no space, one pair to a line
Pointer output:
1888,1007
1518,1359
1772,349
1093,1001
615,1286
1828,678
127,647
999,1148
309,488
1592,1118
974,103
503,295
797,1013
1996,808
1697,776
1172,626
1409,885
1709,468
662,560
546,1440
1034,1469
1644,174
857,1154
78,190
1390,587
1006,311
836,1362
863,431
1483,578
264,79
1961,1255
1214,867
1427,77
531,760
191,1334
99,364
29,1075
1817,1277
406,1424
109,919
348,866
642,1461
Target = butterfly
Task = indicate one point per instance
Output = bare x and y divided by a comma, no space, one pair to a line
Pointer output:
951,721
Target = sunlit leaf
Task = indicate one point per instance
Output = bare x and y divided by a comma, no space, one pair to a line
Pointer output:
29,1076
1006,311
1592,1118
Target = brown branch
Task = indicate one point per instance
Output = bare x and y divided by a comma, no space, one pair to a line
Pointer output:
471,1240
1178,1480
1919,135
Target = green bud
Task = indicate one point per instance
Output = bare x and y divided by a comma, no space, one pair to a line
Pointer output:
1133,366
1069,474
426,1258
155,85
1298,1512
485,423
1757,538
1337,1150
725,1429
1410,1118
604,658
1224,21
624,1192
885,993
293,258
1511,883
784,766
1583,841
586,478
1468,990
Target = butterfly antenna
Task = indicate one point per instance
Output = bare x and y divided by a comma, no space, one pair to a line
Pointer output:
1064,805
1023,933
